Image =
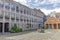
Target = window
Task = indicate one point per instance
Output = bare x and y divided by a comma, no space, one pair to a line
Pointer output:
17,16
21,19
7,15
27,11
21,10
27,20
17,19
17,9
24,20
12,8
24,11
12,18
12,15
1,14
7,6
1,4
30,19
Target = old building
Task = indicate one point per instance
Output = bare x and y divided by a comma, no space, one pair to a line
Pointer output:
12,12
53,21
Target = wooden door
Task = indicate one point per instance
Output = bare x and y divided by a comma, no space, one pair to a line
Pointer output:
55,26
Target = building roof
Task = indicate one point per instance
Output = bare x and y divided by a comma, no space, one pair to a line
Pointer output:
52,20
57,14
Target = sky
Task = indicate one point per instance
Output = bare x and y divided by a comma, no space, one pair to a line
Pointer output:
46,6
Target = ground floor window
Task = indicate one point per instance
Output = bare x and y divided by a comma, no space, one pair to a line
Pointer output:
0,27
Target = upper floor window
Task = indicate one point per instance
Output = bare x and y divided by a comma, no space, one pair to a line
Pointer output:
12,7
24,11
1,13
21,19
17,16
27,11
17,8
13,15
30,12
7,5
1,4
24,20
21,10
27,20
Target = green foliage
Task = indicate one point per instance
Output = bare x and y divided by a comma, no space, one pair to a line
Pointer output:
27,26
15,29
46,27
42,27
20,30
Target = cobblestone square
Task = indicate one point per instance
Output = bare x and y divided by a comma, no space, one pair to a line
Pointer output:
49,35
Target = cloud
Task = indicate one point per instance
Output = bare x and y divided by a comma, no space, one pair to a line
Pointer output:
24,2
46,11
54,1
49,11
46,6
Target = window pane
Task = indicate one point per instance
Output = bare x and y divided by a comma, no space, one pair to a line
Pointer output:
17,9
1,4
7,6
12,7
21,10
24,11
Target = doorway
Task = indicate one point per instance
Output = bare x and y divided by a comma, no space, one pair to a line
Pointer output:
58,26
55,26
1,27
6,27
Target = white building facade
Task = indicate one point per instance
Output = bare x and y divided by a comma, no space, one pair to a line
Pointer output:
12,12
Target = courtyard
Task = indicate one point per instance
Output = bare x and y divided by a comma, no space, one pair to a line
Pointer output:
49,34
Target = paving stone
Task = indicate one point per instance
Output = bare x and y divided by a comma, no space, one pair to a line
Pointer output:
51,35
